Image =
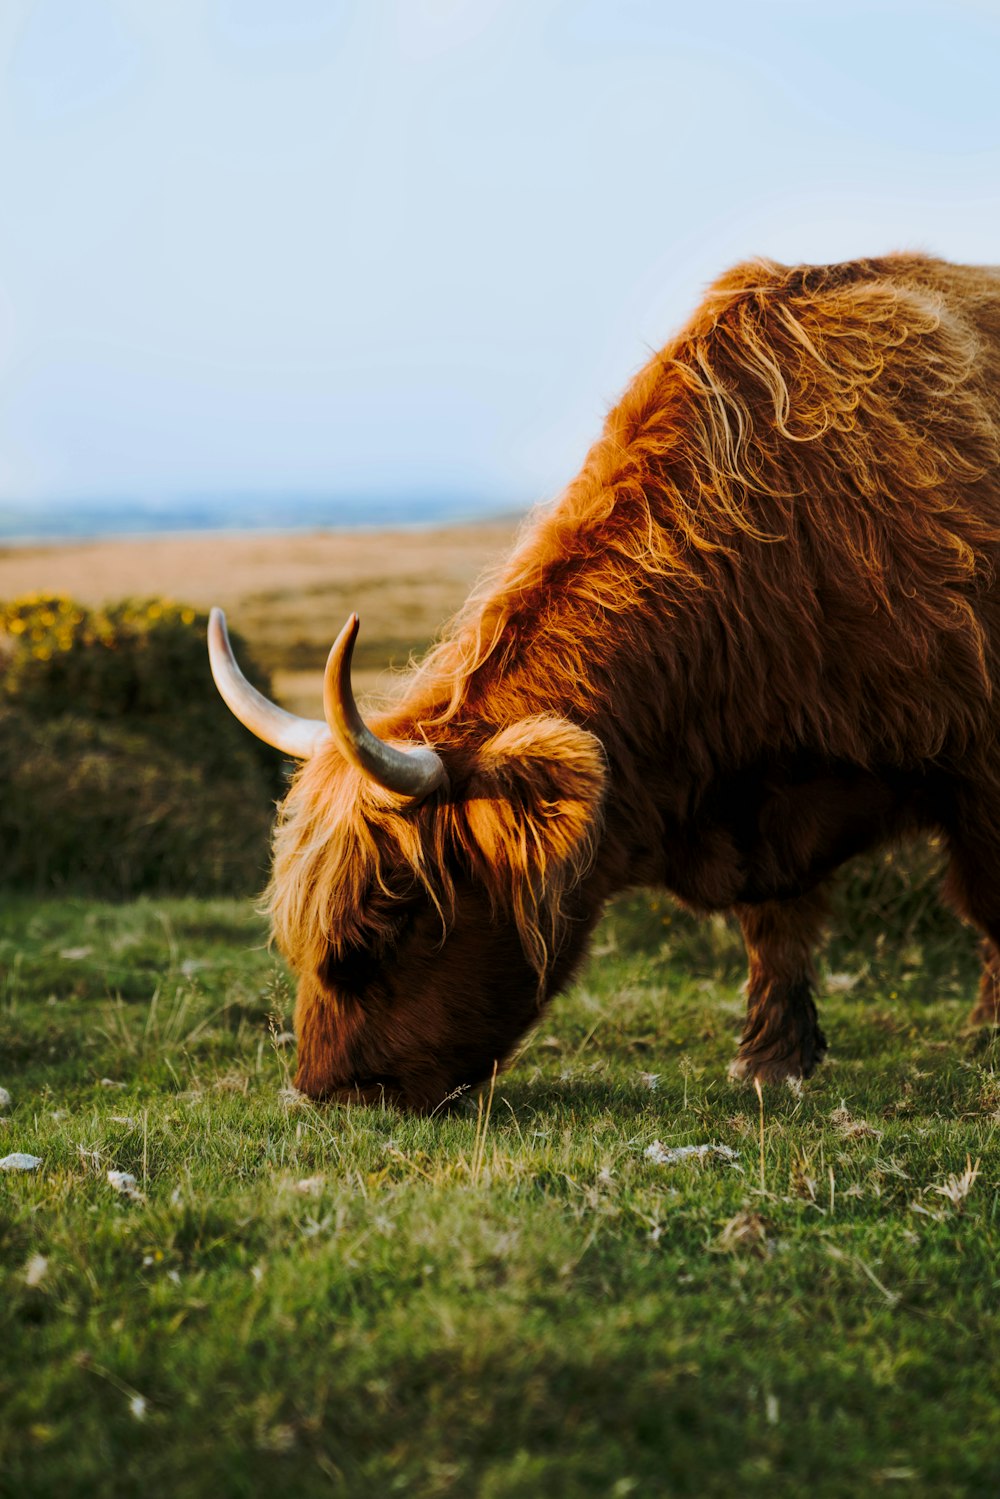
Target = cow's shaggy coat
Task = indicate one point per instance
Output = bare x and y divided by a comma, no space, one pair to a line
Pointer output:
756,634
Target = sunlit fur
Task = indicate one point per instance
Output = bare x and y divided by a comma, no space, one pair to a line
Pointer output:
757,632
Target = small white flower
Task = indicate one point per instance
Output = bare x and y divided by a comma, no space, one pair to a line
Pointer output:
138,1405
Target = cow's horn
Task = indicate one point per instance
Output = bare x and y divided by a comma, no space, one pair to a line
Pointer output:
297,737
413,772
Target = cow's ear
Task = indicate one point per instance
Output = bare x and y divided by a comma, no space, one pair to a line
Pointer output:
532,806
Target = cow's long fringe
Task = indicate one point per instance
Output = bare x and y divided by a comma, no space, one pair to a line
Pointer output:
786,534
348,854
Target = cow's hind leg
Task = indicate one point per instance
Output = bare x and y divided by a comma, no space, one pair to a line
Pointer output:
781,1038
973,886
986,1010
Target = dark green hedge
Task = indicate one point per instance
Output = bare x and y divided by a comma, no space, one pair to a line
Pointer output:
121,769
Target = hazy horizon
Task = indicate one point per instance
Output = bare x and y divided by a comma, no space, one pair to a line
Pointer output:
79,518
418,246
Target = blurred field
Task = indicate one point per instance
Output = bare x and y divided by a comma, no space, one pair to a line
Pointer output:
289,594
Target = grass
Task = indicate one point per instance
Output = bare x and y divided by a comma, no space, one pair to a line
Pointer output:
513,1300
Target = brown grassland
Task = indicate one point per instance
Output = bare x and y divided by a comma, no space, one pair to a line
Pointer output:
289,594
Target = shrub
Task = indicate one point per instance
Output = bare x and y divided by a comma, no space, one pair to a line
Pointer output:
121,770
101,808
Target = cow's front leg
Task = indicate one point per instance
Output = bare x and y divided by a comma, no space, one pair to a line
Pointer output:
781,1038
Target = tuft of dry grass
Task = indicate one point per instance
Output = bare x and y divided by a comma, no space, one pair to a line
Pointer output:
850,1128
957,1186
744,1233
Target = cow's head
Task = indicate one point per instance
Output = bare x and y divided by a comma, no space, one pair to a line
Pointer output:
429,900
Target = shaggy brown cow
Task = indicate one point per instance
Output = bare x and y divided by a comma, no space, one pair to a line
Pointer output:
757,634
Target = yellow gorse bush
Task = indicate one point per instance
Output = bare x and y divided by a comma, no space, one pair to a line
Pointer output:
59,608
57,622
57,654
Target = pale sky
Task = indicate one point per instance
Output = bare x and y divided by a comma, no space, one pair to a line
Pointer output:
410,246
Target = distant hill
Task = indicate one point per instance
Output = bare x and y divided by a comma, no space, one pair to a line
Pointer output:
77,520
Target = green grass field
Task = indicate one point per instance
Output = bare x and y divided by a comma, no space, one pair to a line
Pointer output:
512,1300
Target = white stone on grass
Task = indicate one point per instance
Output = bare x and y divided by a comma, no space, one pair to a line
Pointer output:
125,1184
35,1270
20,1162
311,1186
660,1155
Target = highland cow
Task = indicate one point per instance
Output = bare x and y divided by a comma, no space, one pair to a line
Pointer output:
755,636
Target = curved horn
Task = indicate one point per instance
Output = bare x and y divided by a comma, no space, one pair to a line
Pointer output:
414,772
297,737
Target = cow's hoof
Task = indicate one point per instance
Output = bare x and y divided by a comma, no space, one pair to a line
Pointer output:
791,1069
982,1019
766,1070
980,1030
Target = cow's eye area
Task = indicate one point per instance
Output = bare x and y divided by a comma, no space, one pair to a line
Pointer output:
352,970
